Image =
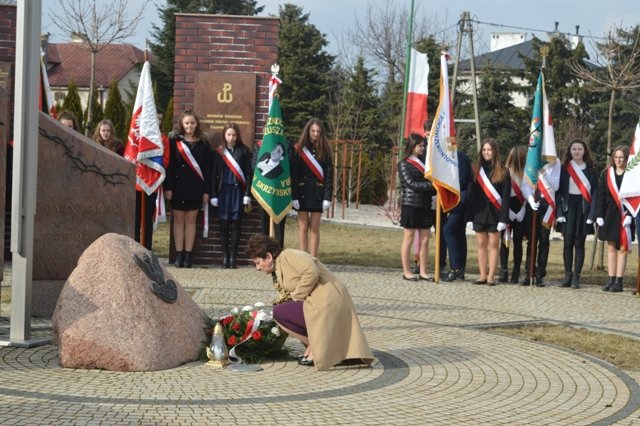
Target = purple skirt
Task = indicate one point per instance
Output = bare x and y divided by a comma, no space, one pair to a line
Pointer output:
290,315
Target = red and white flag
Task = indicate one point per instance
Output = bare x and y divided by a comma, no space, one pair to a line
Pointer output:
144,143
47,103
441,165
274,82
417,93
630,187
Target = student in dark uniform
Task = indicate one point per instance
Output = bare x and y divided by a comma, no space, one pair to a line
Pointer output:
311,183
188,183
416,213
488,212
575,201
230,186
614,220
515,232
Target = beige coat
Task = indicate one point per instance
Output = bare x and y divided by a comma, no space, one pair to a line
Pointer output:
332,324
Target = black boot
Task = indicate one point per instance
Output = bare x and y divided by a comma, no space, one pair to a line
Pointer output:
568,279
608,284
540,281
224,243
232,262
504,276
187,259
575,281
179,263
234,243
226,262
525,279
617,285
515,275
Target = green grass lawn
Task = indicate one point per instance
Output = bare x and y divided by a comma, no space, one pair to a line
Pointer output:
380,247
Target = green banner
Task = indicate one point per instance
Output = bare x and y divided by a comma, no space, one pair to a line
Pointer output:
271,185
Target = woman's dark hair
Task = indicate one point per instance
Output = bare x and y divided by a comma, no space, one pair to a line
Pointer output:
412,141
235,127
625,151
587,153
498,170
260,245
68,115
323,149
197,133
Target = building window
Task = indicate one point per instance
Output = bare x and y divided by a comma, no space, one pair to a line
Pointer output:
59,96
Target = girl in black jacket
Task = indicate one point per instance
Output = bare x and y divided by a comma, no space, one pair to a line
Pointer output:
230,186
489,199
311,183
416,214
187,184
613,219
576,201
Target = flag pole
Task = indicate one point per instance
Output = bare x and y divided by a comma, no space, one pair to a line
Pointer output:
436,276
143,225
407,68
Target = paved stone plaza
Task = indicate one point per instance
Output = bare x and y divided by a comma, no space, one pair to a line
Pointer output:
437,364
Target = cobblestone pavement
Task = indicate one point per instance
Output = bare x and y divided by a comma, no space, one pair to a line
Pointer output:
437,364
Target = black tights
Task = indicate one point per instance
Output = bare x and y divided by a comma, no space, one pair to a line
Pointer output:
229,228
571,243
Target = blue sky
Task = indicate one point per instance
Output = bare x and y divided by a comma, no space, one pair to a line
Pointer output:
336,17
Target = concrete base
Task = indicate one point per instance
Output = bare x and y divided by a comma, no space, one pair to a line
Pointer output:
29,343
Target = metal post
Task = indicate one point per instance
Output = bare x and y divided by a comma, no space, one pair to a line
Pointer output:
474,87
25,171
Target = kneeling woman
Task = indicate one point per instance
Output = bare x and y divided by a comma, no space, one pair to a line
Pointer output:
320,313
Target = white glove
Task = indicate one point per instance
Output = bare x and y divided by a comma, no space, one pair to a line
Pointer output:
246,201
434,202
535,205
214,202
561,219
627,221
470,226
512,215
600,221
520,215
325,205
589,222
501,226
296,204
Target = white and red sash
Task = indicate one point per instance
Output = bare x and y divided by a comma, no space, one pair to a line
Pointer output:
188,158
549,195
415,161
233,166
488,189
580,179
312,163
516,191
625,231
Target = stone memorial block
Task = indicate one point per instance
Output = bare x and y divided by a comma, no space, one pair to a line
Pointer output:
226,96
84,191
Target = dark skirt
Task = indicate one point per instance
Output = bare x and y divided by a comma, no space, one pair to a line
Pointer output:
290,315
230,202
416,218
186,204
311,196
576,224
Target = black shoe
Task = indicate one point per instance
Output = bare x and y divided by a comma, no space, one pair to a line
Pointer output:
454,275
480,282
232,262
575,281
187,259
504,276
608,284
515,276
226,263
306,362
406,278
540,281
525,279
179,263
568,279
617,285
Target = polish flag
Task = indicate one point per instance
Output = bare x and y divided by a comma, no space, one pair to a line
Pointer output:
630,187
417,93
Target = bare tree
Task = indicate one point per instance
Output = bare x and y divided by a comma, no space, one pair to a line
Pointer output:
97,27
617,71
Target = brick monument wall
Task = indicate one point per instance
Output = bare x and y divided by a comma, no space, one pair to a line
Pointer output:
240,45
